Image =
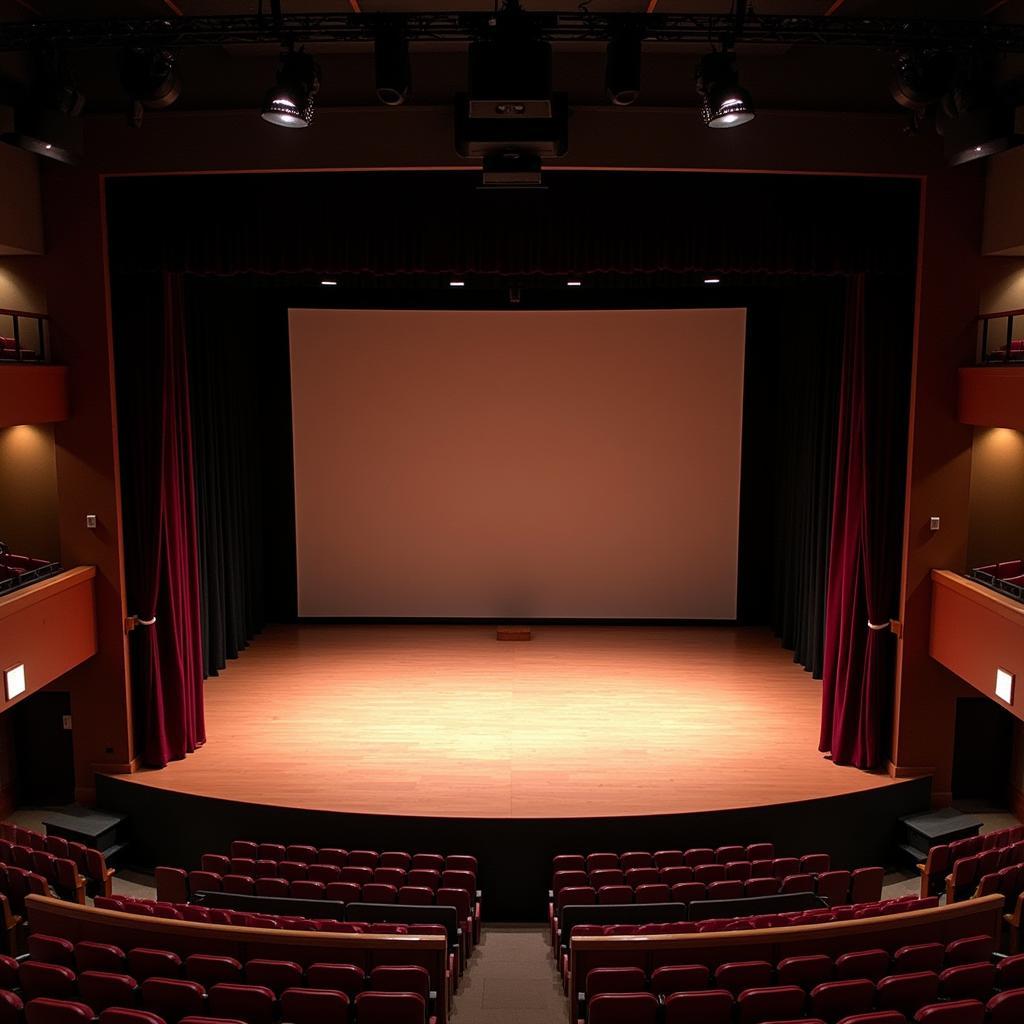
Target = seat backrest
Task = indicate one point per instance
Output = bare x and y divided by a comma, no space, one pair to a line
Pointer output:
347,978
964,1011
710,1006
253,1004
42,980
390,1008
687,978
623,1008
173,998
614,979
102,989
782,1002
1007,1007
277,975
388,978
44,1010
314,1006
740,975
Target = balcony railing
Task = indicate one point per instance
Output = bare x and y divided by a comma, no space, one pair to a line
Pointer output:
997,344
24,337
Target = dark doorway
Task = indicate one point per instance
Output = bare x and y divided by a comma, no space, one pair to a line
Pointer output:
982,751
43,748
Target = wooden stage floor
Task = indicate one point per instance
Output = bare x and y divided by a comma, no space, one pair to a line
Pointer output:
444,721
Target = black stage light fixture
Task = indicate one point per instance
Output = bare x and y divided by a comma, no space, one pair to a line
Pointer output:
150,78
392,70
622,67
975,122
724,103
290,103
46,123
921,78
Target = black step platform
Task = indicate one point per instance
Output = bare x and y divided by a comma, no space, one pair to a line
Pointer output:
99,830
933,828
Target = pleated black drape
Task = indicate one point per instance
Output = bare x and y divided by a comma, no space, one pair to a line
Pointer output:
809,357
229,336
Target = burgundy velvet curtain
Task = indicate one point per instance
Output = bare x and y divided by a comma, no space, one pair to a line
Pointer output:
866,534
160,519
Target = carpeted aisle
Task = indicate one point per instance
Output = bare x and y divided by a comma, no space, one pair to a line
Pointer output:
511,979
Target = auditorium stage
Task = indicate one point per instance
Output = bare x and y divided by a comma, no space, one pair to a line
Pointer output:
369,734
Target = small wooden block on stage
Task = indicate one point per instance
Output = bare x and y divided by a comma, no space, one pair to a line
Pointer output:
514,633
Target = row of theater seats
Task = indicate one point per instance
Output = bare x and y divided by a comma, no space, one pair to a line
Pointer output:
90,863
967,872
825,988
259,991
176,886
855,912
693,857
59,873
786,1006
305,853
245,919
862,885
297,871
1005,577
737,870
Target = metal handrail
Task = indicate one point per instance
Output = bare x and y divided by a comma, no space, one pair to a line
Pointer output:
16,352
1007,354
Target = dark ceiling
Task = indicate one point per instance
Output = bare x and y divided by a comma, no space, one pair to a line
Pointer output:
804,76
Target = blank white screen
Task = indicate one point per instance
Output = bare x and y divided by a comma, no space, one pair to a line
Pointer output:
520,464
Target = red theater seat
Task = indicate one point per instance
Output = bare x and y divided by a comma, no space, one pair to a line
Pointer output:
253,1004
50,949
146,963
57,1011
389,978
314,1006
711,1006
759,1005
967,981
966,1011
102,989
926,956
173,998
623,1008
805,971
209,970
873,964
1006,1008
833,1000
390,1008
614,979
277,975
346,978
735,977
907,992
689,978
11,1008
39,980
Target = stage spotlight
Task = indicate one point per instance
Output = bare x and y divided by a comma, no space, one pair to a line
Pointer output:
976,122
391,66
622,67
149,77
290,102
724,103
46,123
920,79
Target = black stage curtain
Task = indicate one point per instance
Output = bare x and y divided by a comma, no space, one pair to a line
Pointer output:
794,351
584,223
237,343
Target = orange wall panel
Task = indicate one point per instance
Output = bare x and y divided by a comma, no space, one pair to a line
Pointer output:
976,631
49,628
992,396
33,394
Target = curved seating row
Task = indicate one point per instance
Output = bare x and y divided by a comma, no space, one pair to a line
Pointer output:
692,857
177,886
301,1006
258,992
859,912
91,864
305,853
166,945
942,859
297,871
981,917
778,868
863,885
785,1006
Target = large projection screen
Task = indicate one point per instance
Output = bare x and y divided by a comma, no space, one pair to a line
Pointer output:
517,464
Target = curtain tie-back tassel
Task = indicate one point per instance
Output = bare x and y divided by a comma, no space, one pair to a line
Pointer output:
133,620
878,625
